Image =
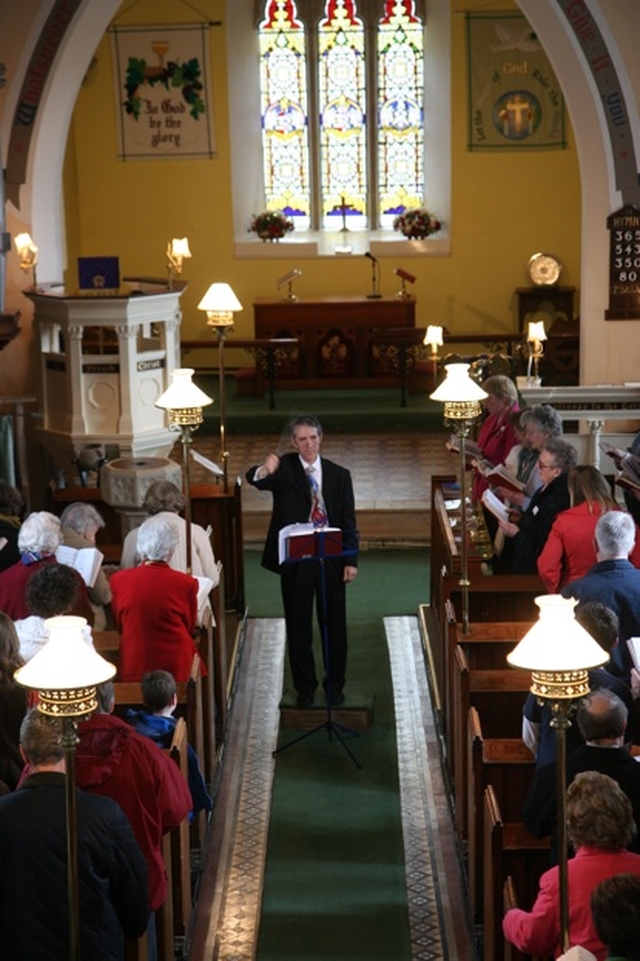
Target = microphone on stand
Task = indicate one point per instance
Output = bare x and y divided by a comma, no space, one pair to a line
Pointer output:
375,293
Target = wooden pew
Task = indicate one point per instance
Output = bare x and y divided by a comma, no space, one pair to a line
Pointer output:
509,849
180,841
485,646
506,764
498,695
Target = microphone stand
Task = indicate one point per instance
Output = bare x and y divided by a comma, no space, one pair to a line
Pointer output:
375,292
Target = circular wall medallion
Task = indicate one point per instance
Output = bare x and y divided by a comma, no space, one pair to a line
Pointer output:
544,270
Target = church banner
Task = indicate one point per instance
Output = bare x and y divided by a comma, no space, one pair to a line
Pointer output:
163,91
515,100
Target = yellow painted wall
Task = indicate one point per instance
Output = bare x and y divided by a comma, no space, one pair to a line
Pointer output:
506,206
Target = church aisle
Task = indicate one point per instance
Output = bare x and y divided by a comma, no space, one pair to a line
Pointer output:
228,915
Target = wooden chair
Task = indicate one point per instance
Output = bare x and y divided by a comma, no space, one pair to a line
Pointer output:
508,849
498,695
506,764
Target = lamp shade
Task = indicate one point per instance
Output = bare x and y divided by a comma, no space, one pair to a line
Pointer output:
220,297
183,394
458,386
433,336
536,331
558,650
66,670
27,249
180,247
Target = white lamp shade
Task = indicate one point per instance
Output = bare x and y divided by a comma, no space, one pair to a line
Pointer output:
433,336
182,394
556,642
458,386
536,331
66,662
180,247
220,297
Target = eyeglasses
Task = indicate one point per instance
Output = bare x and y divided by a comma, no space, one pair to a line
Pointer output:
542,466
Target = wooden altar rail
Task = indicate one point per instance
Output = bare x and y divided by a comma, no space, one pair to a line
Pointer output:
265,348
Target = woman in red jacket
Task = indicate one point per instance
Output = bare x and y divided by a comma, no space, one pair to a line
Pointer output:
570,549
155,608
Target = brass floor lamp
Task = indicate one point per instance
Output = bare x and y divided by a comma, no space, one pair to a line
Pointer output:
461,396
559,652
221,303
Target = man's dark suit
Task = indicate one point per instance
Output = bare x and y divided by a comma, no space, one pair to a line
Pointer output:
300,581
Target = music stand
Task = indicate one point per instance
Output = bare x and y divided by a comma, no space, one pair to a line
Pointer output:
315,550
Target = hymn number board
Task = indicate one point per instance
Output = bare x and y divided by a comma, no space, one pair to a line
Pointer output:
624,264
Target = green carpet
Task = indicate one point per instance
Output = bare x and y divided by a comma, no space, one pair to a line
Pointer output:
346,411
334,881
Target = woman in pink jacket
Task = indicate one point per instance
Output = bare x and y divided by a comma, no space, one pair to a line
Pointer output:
570,549
599,825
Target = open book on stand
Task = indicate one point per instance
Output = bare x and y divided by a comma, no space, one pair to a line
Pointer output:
86,560
495,505
298,542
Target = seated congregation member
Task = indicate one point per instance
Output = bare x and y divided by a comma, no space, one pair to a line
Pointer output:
11,507
38,541
112,875
80,524
155,607
164,499
160,698
603,625
13,706
115,761
497,435
600,827
570,548
614,581
615,908
525,540
602,721
52,591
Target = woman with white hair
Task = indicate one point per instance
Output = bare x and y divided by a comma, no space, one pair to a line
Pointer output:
38,541
155,608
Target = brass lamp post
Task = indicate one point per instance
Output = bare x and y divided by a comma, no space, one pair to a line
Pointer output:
221,303
559,652
65,673
183,401
461,396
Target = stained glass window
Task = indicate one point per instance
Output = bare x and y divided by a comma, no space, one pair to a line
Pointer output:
283,87
400,108
351,143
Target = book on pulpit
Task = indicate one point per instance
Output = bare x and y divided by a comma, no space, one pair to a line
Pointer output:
299,542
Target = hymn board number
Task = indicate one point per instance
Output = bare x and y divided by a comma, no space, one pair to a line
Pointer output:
624,264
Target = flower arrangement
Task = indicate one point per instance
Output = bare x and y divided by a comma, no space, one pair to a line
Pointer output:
271,224
416,223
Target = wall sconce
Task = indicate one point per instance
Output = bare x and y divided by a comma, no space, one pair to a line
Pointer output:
221,303
289,278
177,250
461,396
65,673
535,337
559,652
405,278
28,252
434,339
184,402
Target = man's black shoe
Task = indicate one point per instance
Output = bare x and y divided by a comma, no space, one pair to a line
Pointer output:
305,700
337,698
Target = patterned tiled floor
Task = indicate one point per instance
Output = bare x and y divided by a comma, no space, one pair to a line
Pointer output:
230,897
